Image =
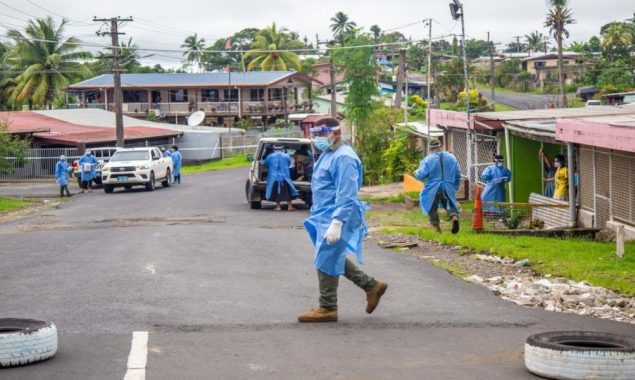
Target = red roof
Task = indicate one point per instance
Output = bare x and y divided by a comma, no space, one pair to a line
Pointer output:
323,74
61,132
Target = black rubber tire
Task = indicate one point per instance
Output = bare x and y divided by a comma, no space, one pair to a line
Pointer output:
151,185
25,341
254,205
580,355
108,189
168,179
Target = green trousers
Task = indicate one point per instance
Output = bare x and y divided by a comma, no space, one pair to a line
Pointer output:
434,211
329,284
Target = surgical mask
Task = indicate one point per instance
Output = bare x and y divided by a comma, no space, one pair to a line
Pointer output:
557,164
322,143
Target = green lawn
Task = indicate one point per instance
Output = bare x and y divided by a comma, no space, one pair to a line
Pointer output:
9,204
227,163
577,259
498,107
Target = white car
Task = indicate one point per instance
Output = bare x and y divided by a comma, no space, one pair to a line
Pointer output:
137,167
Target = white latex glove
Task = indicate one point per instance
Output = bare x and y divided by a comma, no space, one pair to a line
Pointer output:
334,232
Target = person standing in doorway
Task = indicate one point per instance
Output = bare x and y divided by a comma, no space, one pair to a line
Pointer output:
280,187
442,175
61,176
495,177
560,179
337,225
88,166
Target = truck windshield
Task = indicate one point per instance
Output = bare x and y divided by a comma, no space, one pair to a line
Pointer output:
130,156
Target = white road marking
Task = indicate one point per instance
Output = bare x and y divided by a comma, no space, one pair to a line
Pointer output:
138,356
150,268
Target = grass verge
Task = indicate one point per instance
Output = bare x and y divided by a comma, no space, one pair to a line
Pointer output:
227,163
577,259
498,107
10,204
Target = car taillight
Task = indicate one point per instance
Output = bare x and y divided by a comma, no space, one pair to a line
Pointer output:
75,164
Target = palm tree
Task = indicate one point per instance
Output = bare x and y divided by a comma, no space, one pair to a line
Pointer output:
341,25
616,38
194,47
535,41
578,47
557,19
45,62
376,30
266,54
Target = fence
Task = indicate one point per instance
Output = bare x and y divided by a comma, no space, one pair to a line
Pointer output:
473,156
37,163
500,216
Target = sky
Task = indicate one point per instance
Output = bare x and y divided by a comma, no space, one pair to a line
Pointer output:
162,24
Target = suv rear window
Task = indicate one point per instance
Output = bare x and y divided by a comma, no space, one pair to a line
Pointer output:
130,156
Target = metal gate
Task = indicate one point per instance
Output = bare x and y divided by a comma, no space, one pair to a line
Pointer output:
38,163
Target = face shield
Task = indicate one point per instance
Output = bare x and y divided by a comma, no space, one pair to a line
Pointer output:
323,136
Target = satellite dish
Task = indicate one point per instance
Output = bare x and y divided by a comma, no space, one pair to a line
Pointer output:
196,118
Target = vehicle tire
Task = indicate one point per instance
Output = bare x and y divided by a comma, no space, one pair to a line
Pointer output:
168,179
151,185
254,205
308,200
108,189
79,181
25,341
580,355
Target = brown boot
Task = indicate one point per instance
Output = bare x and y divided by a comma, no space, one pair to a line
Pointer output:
318,315
373,296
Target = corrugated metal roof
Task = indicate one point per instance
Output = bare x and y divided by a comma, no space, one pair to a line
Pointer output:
106,135
554,113
186,79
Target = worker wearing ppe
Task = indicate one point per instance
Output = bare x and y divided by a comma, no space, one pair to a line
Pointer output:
495,177
337,224
88,167
442,175
61,175
280,187
177,160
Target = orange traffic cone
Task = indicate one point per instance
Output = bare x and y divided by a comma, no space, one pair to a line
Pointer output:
477,214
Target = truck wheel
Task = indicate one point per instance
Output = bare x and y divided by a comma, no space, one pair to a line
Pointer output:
108,189
254,205
168,179
25,341
151,185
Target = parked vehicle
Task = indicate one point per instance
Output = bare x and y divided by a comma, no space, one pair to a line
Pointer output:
256,185
593,103
102,155
137,167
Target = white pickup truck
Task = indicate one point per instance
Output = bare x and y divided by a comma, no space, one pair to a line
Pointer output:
137,167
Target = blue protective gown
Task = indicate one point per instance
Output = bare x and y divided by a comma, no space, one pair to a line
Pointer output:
337,178
177,160
496,178
86,159
61,173
278,164
449,180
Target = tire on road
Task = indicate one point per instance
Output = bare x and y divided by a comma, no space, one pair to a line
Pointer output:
108,188
579,355
25,341
254,205
151,185
168,179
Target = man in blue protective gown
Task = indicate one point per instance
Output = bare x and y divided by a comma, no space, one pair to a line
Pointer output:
61,175
88,167
442,175
495,177
337,225
177,160
280,187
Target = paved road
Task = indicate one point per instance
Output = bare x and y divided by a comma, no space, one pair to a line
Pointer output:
218,288
519,100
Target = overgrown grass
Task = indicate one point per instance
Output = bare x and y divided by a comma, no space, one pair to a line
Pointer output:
577,259
499,107
227,163
10,204
392,198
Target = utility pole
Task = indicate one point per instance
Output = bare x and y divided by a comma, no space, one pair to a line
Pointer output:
400,75
118,94
333,91
428,99
517,43
492,79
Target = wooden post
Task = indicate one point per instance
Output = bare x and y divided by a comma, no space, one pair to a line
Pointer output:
619,239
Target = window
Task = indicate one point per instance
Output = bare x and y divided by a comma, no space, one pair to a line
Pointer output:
210,95
155,154
540,64
233,97
257,94
275,94
131,96
178,96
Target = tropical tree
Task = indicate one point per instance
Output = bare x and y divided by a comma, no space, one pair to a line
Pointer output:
11,146
341,25
535,41
558,17
43,63
617,40
266,51
578,47
194,48
376,31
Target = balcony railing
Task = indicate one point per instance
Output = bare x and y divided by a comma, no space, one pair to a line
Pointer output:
172,107
218,107
135,107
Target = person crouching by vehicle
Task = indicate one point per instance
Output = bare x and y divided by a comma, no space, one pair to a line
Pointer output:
280,187
88,166
61,175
